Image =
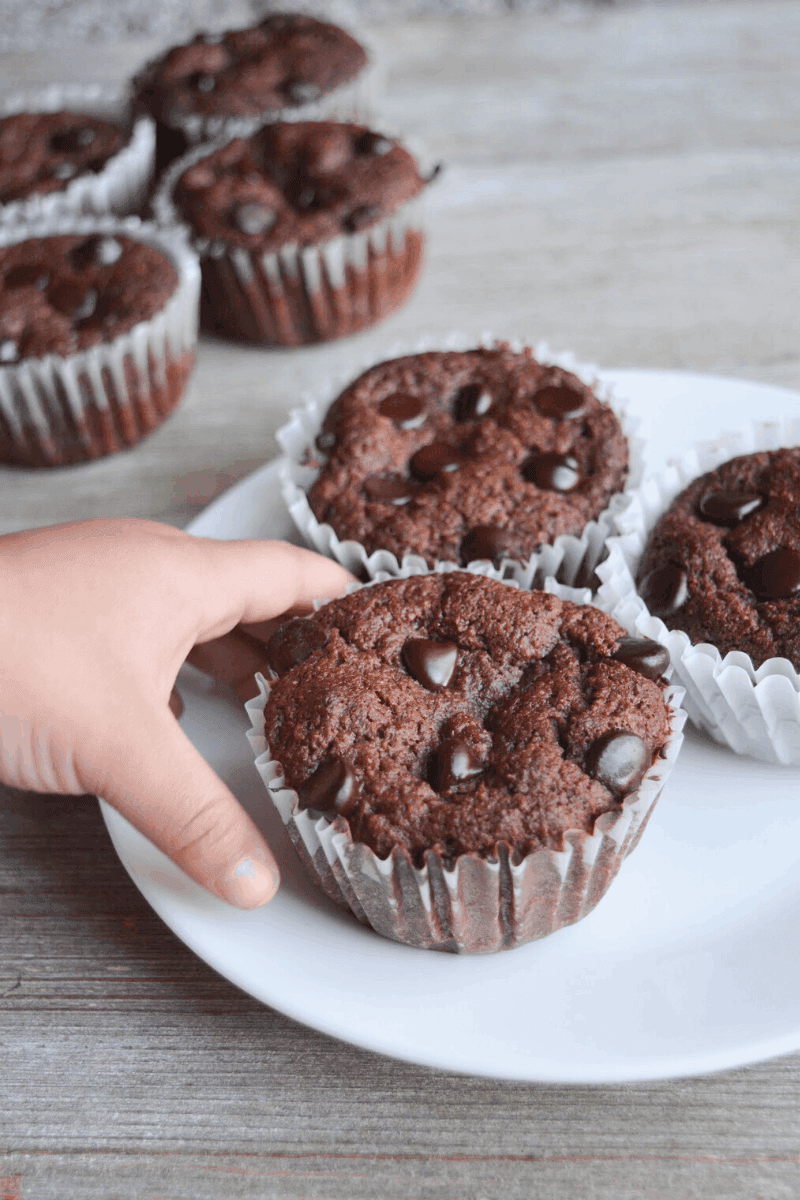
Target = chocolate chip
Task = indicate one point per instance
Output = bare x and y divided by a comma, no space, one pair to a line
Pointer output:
97,164
664,590
406,411
360,217
729,508
452,763
776,576
428,461
107,251
390,488
72,141
373,143
292,643
642,655
252,219
331,790
304,197
559,402
73,300
64,170
28,275
94,252
472,401
431,663
553,472
325,440
201,81
618,761
484,542
9,351
298,92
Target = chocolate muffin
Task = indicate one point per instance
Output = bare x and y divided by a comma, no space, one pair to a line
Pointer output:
285,62
97,330
306,230
723,563
42,152
72,150
448,720
464,455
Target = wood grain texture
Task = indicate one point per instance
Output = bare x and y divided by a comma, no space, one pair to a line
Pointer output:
626,185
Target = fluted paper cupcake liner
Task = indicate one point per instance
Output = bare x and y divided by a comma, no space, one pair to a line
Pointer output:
356,101
56,411
477,905
569,558
300,295
119,188
755,712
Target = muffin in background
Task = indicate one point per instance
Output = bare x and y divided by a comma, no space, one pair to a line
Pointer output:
307,231
462,763
98,326
286,66
72,151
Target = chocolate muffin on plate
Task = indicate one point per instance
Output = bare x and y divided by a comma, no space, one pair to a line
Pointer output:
458,456
464,763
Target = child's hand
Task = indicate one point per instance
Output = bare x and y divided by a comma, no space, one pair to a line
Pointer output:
96,619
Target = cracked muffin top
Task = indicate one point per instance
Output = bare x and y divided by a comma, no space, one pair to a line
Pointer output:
62,294
42,152
285,61
452,713
463,455
723,563
296,183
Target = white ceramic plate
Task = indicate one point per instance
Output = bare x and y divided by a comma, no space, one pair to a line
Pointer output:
691,962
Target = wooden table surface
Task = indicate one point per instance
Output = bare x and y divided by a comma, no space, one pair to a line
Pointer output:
626,184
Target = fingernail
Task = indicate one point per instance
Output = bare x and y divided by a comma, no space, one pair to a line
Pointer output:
252,882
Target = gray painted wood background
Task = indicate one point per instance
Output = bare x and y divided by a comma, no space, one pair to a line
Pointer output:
627,185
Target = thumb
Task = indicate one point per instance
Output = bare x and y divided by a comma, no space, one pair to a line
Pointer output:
155,778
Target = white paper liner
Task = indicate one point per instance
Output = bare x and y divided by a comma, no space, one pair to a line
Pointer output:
55,410
570,559
477,906
300,295
355,101
754,712
119,188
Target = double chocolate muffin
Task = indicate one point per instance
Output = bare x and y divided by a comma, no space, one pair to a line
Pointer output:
62,294
451,714
723,563
285,62
465,455
296,184
98,325
304,228
41,152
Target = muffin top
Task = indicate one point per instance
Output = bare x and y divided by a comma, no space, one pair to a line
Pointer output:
451,713
296,183
62,294
480,454
723,563
42,152
284,61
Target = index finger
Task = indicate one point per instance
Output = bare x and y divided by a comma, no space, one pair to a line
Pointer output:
248,582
